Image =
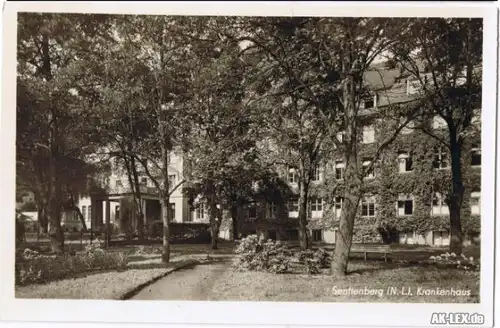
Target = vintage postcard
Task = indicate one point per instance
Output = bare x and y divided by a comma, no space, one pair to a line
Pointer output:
249,163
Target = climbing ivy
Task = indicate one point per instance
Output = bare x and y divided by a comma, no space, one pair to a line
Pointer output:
421,182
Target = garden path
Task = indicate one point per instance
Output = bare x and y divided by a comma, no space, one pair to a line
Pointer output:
190,284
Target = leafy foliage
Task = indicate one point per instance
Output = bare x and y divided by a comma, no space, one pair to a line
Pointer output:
254,253
32,267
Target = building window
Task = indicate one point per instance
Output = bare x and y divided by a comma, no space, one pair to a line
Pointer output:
316,204
118,183
475,157
439,206
369,173
368,134
292,175
405,205
339,202
368,207
117,212
171,208
200,211
475,203
368,102
271,210
339,170
252,211
317,235
441,158
405,163
171,179
84,212
294,205
271,234
144,181
316,174
293,234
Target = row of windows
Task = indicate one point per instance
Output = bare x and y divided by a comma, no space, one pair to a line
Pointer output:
368,131
405,164
144,181
405,206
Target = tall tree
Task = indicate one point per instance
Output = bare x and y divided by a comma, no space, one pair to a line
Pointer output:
337,52
222,143
49,110
444,58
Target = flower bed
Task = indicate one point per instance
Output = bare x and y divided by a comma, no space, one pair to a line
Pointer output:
32,267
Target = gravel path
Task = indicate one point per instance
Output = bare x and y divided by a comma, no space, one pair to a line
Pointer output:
188,284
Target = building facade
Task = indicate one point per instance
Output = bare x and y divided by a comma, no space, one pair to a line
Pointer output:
404,192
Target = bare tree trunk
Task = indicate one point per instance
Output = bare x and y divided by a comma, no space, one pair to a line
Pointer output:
165,213
456,198
353,183
56,234
138,200
215,220
43,220
303,193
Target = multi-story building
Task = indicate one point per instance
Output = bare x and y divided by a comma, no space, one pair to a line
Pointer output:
403,202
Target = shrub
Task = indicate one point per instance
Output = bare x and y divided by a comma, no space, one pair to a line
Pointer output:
312,265
314,261
303,256
257,254
31,267
323,257
451,260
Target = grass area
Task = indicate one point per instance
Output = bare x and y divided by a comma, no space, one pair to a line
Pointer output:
106,285
373,277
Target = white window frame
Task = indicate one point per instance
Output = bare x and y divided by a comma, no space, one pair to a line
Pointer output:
405,198
439,206
364,100
316,174
271,210
403,162
200,212
368,134
368,202
442,155
316,204
476,151
338,205
339,165
475,195
293,207
292,175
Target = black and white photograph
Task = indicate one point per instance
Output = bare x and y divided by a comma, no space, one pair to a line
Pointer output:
216,158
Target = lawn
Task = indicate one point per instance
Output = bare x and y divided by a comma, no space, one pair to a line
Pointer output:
373,278
105,285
